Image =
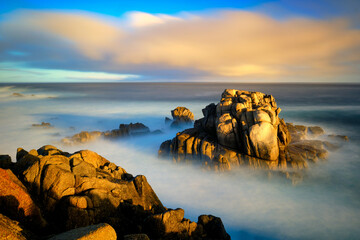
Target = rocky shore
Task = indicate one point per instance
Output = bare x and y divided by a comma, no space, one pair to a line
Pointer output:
244,129
51,194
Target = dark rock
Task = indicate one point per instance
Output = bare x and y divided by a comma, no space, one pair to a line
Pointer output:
5,161
42,125
125,130
136,237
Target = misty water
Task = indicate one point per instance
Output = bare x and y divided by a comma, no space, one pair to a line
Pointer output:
325,205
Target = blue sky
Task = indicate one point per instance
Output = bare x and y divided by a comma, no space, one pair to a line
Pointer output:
250,41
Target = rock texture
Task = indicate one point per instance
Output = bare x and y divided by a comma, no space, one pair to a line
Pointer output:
124,130
11,230
244,128
98,231
181,116
83,189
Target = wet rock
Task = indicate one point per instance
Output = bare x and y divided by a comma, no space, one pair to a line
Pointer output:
124,130
98,231
42,125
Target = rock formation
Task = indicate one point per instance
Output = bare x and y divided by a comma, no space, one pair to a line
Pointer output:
42,125
244,128
181,116
57,191
124,130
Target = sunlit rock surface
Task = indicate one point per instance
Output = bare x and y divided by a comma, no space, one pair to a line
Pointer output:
82,189
181,116
244,128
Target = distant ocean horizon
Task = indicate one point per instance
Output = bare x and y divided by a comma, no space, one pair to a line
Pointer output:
326,205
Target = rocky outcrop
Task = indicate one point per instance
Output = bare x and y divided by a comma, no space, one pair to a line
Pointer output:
82,189
181,117
244,128
42,125
124,130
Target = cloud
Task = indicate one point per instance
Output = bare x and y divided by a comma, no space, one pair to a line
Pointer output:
232,45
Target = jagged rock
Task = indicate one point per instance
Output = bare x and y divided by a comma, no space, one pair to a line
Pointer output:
98,231
132,129
213,227
83,188
5,161
244,128
16,202
181,116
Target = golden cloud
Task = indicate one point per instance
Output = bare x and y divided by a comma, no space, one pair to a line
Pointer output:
235,44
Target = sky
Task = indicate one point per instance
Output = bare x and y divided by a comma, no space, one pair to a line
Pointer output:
180,41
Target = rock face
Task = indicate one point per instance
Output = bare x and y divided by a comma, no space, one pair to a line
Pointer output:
124,130
181,116
82,189
244,128
16,202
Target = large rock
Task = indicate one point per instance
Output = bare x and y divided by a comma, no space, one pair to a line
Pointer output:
244,128
98,231
81,189
16,202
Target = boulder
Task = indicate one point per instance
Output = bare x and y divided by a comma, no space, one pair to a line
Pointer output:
16,202
82,189
181,116
244,128
98,231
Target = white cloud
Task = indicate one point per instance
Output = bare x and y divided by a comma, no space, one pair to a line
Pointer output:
218,44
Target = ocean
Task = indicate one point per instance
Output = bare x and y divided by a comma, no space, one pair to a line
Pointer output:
325,205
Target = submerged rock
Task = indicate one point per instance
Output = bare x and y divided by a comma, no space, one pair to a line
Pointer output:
244,128
124,130
82,189
42,125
